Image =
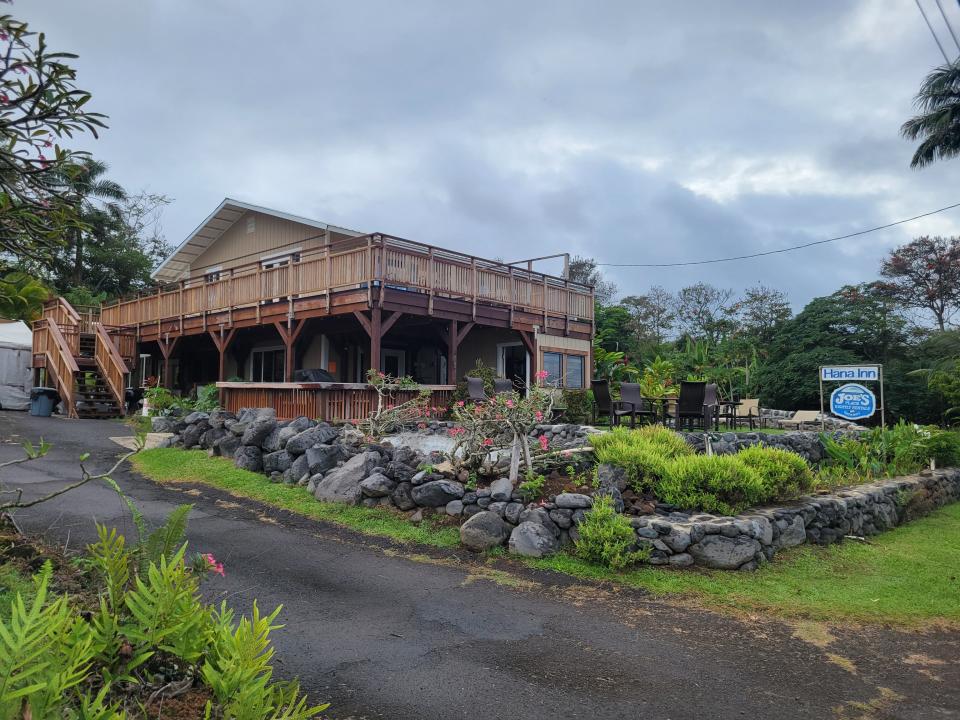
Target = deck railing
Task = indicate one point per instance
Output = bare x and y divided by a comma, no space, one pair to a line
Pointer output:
49,340
111,364
373,260
324,401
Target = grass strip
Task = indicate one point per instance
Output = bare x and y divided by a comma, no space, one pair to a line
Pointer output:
172,465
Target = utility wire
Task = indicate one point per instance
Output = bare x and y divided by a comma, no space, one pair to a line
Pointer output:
949,26
935,38
786,249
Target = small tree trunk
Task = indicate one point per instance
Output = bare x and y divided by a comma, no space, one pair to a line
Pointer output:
526,453
515,461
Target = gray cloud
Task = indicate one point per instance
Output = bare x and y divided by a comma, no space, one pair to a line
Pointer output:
627,131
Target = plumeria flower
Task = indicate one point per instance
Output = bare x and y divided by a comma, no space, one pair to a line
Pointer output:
487,442
542,374
544,443
460,403
538,415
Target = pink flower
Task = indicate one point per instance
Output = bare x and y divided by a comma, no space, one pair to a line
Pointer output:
509,403
214,566
421,425
459,403
538,415
542,374
543,442
487,442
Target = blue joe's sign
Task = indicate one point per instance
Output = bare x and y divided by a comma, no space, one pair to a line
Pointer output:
853,402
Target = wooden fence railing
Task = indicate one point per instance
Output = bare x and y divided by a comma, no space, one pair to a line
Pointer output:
110,363
323,401
383,260
49,340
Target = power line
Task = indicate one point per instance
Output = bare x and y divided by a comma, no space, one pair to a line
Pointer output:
949,26
786,249
935,38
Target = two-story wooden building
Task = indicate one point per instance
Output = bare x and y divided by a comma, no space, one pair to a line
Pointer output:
266,303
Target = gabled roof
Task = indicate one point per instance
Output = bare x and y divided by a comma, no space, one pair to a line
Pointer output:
218,222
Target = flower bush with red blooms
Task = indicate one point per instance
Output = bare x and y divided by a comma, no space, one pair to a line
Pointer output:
503,421
206,564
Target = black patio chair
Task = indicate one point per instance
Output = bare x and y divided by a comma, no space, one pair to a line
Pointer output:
501,385
638,406
604,404
711,406
690,405
475,390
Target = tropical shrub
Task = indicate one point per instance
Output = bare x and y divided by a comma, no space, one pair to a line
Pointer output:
606,537
784,474
643,453
898,450
532,487
944,447
721,484
578,404
208,398
59,658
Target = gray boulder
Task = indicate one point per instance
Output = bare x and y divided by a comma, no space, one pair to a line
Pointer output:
227,445
718,551
277,461
678,539
501,490
483,530
163,425
212,436
401,497
219,418
437,492
300,424
532,540
573,501
248,457
612,476
299,468
511,513
454,508
303,441
258,431
343,483
795,533
377,485
540,516
322,458
195,417
192,434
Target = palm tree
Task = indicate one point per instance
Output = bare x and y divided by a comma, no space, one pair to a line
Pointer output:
938,124
96,200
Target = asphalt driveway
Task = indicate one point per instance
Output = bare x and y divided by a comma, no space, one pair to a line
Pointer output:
381,635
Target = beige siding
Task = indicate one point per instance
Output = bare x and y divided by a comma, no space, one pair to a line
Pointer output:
270,235
558,342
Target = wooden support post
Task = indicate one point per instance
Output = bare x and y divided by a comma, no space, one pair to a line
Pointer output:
289,334
222,341
452,345
166,349
376,332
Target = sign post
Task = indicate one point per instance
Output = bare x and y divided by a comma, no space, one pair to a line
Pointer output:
852,401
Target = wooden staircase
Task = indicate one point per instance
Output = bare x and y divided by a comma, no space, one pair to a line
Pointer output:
83,361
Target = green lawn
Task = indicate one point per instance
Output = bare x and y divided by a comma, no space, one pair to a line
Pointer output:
171,465
909,576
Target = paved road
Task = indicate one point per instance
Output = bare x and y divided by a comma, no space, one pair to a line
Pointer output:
383,636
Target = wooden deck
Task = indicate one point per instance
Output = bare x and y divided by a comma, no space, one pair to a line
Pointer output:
364,270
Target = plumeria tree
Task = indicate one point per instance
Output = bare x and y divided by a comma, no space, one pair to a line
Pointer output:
391,415
501,422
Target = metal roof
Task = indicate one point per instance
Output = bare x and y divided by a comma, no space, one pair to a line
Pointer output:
177,266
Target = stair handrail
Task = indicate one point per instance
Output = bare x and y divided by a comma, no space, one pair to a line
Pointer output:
61,307
60,359
111,364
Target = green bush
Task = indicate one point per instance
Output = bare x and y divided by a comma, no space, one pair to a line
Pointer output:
785,474
714,483
944,447
606,537
532,487
208,398
578,404
643,453
60,659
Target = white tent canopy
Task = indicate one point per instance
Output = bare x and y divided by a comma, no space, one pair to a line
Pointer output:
16,377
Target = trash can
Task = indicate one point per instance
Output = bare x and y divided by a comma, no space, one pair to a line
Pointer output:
43,400
132,396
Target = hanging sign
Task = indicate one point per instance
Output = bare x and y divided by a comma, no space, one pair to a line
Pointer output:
853,402
851,373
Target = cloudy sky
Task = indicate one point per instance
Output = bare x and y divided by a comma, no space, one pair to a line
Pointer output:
635,131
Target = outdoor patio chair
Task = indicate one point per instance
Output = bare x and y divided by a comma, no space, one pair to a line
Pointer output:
690,409
475,390
801,418
748,412
711,405
637,406
604,404
502,385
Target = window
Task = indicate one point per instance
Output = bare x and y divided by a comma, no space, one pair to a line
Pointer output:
553,365
212,275
267,365
251,224
573,378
